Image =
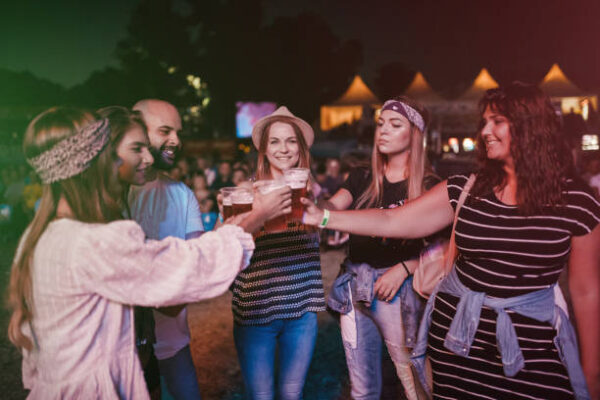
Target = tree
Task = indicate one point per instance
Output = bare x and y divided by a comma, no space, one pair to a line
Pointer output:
23,89
222,45
307,64
156,60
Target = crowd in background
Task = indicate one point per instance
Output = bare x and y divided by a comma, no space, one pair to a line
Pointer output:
20,188
206,177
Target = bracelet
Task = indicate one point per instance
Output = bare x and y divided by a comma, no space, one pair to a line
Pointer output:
325,219
405,268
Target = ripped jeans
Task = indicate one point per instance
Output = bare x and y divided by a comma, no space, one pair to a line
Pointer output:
375,324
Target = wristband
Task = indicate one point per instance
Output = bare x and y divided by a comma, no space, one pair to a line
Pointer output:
405,268
325,219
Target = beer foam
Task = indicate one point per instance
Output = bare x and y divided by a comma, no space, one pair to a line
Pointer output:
265,187
227,201
297,184
242,197
296,177
297,173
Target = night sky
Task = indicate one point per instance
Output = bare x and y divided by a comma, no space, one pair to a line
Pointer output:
448,41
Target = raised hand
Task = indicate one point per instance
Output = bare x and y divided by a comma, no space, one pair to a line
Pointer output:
265,207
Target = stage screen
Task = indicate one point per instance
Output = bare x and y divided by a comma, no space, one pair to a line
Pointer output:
247,115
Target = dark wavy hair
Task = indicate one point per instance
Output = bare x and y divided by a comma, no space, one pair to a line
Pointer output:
541,157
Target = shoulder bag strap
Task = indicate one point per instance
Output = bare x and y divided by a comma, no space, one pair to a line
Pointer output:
451,254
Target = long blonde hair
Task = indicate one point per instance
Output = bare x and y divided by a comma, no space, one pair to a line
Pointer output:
92,195
416,169
263,167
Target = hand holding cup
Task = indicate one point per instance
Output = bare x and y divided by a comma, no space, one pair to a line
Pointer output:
264,187
273,203
266,206
313,215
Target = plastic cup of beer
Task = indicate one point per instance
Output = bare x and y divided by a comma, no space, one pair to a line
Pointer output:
226,201
277,224
241,201
296,178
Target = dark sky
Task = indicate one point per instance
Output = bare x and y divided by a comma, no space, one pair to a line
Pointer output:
451,40
61,40
448,40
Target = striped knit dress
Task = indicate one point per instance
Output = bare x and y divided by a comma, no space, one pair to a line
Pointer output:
283,280
505,254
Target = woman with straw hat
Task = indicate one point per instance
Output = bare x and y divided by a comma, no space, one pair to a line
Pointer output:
276,299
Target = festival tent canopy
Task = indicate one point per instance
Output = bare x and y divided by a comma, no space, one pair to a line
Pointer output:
562,91
349,107
483,82
556,84
420,90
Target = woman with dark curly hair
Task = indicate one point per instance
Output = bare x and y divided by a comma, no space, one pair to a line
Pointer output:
491,328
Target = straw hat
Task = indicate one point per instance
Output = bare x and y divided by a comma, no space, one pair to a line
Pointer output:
305,128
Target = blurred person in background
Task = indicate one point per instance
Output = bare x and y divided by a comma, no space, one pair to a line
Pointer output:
239,175
223,176
593,175
200,186
210,212
333,176
203,164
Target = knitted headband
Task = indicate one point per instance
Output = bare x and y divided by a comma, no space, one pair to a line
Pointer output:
72,155
406,111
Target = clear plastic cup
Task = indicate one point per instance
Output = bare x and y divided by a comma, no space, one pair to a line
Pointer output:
241,201
277,224
226,201
296,178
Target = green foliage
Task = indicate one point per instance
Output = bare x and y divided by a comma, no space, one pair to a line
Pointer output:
204,56
22,89
296,61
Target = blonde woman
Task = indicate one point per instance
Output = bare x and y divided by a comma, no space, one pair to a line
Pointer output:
398,174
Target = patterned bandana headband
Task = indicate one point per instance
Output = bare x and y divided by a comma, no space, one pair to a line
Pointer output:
406,111
72,155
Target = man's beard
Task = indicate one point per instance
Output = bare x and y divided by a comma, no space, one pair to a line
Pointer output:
162,161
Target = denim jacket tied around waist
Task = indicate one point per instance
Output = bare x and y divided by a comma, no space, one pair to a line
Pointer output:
539,305
360,278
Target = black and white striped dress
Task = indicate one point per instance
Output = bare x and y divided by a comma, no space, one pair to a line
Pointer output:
283,280
505,254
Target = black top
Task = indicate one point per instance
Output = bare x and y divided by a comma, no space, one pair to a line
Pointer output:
376,251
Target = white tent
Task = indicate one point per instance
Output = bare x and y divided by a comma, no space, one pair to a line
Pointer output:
349,107
564,93
480,85
420,90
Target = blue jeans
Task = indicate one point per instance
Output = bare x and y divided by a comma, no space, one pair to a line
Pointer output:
179,375
379,323
256,347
